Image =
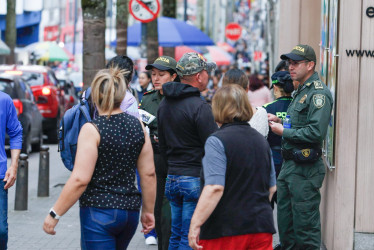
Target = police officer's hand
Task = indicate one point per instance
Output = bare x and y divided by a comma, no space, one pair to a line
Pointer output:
274,118
277,128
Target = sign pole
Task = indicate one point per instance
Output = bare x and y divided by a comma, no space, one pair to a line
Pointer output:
143,45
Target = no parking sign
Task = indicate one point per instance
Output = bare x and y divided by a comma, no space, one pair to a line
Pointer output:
144,11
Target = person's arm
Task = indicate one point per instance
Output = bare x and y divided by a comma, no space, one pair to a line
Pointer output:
208,201
273,178
14,131
315,130
214,170
84,166
146,169
205,122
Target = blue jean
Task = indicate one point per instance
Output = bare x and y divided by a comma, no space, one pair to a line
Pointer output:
183,193
107,228
3,216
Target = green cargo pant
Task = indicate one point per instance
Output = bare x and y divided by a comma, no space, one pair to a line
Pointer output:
298,203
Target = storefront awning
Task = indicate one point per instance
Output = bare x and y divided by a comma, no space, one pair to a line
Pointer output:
4,49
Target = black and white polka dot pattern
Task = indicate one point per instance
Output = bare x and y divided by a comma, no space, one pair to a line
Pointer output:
113,181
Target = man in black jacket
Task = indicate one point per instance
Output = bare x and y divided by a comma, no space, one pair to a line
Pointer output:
185,121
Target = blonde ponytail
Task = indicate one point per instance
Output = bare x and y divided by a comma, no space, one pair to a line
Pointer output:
109,89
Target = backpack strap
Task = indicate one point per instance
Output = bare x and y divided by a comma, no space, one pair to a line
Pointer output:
85,112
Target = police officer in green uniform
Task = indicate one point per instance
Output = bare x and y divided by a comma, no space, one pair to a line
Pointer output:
163,70
303,169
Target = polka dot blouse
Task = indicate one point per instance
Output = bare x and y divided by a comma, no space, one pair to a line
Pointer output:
113,181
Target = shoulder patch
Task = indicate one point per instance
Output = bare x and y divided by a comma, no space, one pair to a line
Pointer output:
319,100
318,85
149,92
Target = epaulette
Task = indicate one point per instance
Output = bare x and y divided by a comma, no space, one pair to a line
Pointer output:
318,85
149,92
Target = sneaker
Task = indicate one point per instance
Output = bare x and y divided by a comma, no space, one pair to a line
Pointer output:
151,240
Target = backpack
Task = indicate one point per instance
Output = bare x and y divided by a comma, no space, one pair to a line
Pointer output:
70,125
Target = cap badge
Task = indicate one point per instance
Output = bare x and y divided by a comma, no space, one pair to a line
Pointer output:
301,49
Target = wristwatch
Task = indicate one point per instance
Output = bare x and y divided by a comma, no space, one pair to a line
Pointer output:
54,214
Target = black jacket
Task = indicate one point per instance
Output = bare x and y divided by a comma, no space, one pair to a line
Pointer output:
185,121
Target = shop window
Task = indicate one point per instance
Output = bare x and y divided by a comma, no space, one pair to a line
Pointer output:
328,66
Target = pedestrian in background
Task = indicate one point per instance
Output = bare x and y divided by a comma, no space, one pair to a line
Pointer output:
303,169
103,179
185,121
233,211
130,102
163,70
145,84
10,125
258,93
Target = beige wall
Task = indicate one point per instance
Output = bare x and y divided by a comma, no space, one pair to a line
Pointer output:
299,23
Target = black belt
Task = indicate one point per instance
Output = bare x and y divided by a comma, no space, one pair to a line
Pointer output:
306,155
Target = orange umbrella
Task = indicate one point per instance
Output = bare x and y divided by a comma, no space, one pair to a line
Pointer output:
227,47
179,51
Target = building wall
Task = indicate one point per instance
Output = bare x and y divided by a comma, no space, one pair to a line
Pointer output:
299,23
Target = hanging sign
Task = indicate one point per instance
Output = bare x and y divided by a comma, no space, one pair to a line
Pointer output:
233,31
144,11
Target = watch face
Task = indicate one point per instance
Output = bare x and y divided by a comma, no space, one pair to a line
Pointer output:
52,214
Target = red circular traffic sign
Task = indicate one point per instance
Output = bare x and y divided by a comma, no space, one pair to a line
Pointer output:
144,11
233,31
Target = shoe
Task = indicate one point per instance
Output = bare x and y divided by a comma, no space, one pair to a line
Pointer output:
277,247
151,240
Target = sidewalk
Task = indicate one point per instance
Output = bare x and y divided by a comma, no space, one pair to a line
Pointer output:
25,227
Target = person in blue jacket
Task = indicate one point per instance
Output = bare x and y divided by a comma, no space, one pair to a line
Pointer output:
8,124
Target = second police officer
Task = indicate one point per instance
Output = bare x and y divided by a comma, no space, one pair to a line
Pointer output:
163,70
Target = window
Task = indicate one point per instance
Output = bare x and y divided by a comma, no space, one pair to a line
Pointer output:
329,46
8,88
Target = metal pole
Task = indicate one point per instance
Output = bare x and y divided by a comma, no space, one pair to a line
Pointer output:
185,10
143,44
22,183
43,180
75,23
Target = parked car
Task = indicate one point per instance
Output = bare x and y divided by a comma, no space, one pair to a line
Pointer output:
49,96
27,111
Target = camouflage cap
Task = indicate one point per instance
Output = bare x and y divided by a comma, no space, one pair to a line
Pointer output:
301,52
163,63
192,63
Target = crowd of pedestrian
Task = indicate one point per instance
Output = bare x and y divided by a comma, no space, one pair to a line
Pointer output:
210,162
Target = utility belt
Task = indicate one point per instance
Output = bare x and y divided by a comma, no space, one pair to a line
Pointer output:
306,155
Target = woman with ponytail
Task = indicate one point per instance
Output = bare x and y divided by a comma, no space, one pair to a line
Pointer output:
109,149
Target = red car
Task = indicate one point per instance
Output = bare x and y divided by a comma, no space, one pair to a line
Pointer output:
48,94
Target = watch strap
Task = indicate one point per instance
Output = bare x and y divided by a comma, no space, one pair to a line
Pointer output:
54,215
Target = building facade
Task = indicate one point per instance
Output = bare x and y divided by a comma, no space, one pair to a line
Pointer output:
341,31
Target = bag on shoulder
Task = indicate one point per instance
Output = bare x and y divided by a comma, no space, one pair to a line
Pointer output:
70,125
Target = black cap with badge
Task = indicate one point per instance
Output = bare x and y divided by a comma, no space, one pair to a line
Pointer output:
301,52
163,63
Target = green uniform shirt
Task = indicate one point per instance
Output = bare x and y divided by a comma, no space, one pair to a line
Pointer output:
150,102
310,112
